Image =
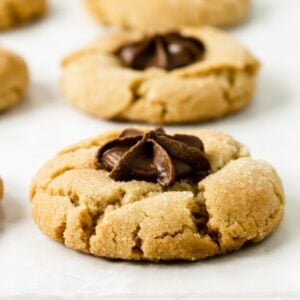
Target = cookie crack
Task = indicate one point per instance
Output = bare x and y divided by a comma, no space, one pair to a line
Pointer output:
44,186
164,111
62,229
272,216
137,249
114,239
71,195
183,229
96,219
201,216
136,95
229,75
135,90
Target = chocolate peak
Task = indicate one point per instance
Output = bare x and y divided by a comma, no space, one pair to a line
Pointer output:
166,51
154,156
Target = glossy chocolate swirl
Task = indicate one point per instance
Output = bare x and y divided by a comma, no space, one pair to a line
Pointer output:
154,156
166,51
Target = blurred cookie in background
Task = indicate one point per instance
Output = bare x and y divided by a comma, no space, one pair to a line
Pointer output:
162,77
14,13
166,14
14,78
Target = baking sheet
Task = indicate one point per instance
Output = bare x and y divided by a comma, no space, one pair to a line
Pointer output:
33,266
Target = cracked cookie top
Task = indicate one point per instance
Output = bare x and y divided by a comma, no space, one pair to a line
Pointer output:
222,81
240,201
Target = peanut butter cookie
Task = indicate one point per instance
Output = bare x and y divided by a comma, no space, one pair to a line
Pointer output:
191,75
166,14
14,13
14,79
147,195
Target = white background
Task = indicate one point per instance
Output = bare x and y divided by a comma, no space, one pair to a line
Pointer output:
33,266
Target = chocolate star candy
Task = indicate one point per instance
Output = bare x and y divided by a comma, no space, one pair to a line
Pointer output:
166,51
154,156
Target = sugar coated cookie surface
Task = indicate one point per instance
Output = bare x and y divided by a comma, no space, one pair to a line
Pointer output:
77,202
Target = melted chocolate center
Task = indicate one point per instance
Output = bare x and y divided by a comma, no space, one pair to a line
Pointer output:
166,51
154,156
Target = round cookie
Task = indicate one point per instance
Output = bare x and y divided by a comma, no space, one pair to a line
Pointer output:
14,79
166,14
221,82
78,204
15,13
